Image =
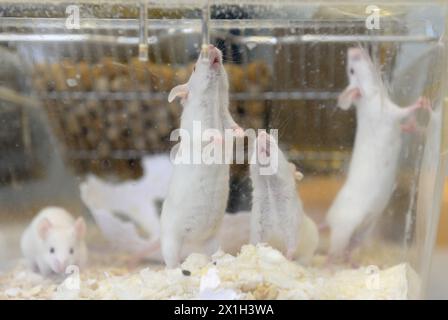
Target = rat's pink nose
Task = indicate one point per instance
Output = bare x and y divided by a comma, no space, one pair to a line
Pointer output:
57,266
214,55
61,265
355,53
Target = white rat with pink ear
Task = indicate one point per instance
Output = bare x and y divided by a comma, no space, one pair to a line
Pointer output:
278,217
206,94
53,241
373,168
195,204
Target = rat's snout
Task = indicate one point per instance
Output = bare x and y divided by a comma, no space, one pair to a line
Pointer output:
355,53
214,55
60,265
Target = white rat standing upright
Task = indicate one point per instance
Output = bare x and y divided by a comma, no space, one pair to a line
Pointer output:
53,241
197,196
373,167
278,217
205,97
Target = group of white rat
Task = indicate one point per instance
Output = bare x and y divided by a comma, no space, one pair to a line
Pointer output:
194,207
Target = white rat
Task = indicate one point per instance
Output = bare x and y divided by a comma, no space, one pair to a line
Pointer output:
53,241
373,167
197,195
205,97
278,217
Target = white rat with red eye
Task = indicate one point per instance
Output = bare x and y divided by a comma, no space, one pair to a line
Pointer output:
278,217
373,168
53,241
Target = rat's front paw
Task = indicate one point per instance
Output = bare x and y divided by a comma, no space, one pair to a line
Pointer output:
217,139
423,103
410,125
238,132
348,97
290,254
355,93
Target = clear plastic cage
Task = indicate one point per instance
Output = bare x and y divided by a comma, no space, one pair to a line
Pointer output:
86,125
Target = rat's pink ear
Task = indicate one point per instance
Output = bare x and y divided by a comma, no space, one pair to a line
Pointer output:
355,53
43,228
348,97
298,175
180,91
80,228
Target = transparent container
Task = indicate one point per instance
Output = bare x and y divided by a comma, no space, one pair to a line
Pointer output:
86,126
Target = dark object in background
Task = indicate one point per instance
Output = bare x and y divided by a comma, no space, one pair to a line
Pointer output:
240,187
229,12
15,160
17,157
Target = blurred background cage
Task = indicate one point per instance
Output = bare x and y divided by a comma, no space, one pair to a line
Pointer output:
108,108
107,104
103,87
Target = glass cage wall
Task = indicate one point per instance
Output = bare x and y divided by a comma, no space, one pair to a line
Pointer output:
83,92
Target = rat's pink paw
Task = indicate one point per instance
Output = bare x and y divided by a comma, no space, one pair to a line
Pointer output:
423,103
426,103
218,139
290,254
348,97
238,132
355,93
409,126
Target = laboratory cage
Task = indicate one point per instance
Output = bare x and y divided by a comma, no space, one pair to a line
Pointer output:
85,125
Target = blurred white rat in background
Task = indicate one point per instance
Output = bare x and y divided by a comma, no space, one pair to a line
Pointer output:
53,241
372,173
278,217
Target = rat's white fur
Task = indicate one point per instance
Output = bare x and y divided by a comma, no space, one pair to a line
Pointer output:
278,217
373,167
55,228
197,198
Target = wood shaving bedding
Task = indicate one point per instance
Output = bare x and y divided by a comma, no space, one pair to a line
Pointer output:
257,272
